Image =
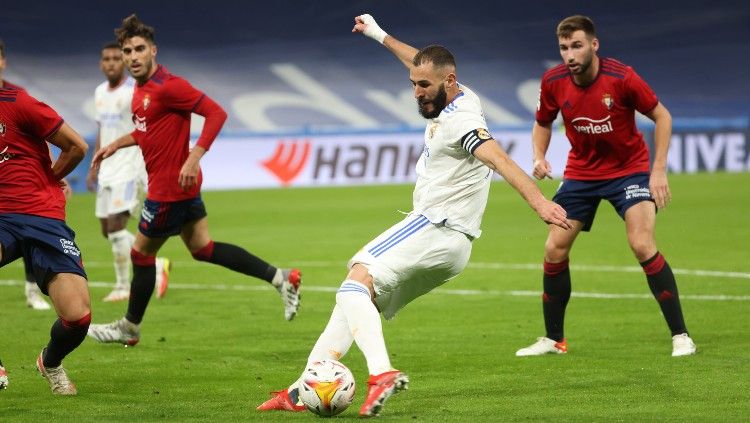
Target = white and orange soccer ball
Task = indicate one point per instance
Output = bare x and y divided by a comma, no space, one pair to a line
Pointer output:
327,387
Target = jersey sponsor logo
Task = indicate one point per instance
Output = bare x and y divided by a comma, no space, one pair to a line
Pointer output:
287,162
5,156
608,101
140,123
69,247
591,126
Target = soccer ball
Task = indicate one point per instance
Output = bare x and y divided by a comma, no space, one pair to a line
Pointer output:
327,387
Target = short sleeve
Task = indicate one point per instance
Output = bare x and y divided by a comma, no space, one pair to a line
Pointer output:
639,93
546,106
38,119
180,95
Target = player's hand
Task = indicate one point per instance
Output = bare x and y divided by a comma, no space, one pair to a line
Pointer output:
91,179
66,188
553,214
366,25
189,174
660,188
102,154
542,169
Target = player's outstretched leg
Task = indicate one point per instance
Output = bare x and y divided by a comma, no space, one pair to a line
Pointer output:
120,331
287,281
380,388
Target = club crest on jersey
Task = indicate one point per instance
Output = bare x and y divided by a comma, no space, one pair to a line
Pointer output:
2,129
433,128
146,102
608,101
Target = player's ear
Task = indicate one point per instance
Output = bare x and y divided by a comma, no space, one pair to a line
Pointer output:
595,44
450,80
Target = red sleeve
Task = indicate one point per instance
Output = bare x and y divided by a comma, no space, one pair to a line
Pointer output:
39,119
179,94
546,107
640,95
215,118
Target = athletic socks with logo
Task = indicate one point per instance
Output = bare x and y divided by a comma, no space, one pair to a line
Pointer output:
664,288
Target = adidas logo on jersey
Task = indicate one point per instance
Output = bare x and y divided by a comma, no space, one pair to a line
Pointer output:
590,126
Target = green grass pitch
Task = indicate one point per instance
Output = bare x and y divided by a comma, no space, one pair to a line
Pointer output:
214,347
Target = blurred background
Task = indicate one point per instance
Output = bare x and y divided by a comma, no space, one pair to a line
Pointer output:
310,103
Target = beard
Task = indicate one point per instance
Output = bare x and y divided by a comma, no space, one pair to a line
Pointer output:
438,104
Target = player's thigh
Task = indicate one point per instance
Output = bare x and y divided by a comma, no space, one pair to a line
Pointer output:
640,223
70,295
580,200
10,244
117,221
195,234
148,246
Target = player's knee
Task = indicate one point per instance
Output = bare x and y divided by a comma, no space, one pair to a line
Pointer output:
80,323
555,252
140,259
205,253
643,248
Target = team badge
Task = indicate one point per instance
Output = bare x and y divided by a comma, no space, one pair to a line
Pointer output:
483,134
146,102
433,128
608,101
2,129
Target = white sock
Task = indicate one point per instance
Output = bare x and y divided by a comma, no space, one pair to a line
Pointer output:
364,323
332,344
122,242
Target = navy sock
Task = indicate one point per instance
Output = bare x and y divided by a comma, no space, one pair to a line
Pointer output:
142,286
235,258
65,336
555,298
664,288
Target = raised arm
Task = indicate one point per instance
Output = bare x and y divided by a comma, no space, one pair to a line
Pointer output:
492,155
72,150
366,25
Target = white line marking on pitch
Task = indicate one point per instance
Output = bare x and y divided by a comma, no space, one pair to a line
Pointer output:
497,266
467,292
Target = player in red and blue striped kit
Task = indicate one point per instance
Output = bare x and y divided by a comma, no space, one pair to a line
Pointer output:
162,106
609,160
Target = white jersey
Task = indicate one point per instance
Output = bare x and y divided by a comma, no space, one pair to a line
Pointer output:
113,113
452,185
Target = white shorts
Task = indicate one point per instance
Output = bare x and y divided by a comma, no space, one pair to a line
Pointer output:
117,198
410,259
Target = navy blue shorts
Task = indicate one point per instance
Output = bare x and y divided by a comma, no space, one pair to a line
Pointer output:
580,199
162,219
47,244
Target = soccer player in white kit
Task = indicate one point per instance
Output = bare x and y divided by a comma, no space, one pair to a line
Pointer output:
122,179
433,243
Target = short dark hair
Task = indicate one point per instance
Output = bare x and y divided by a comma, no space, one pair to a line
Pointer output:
2,49
134,27
439,56
574,23
111,45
